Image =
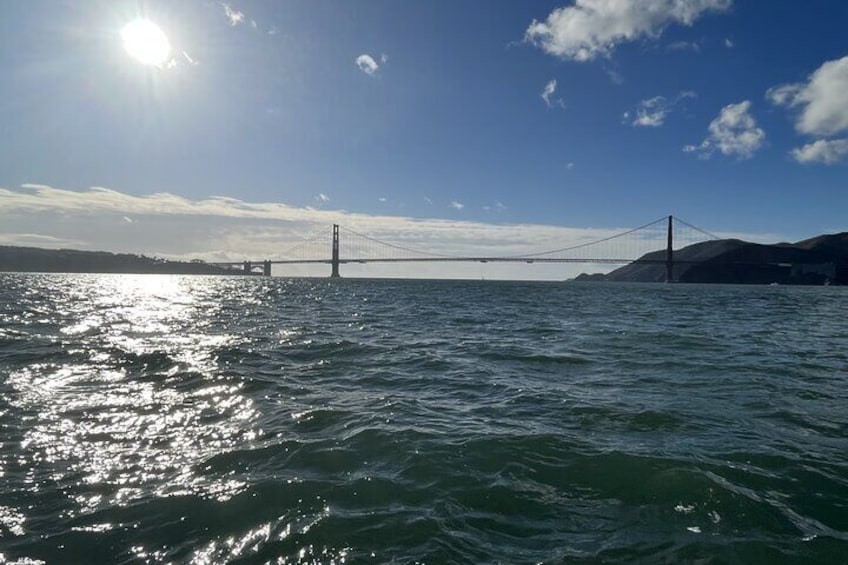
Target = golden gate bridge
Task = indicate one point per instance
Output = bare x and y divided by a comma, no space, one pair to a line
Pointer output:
336,246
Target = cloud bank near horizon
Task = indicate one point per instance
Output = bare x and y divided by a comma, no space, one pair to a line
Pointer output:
221,228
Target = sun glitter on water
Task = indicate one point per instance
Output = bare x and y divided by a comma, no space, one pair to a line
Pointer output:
146,42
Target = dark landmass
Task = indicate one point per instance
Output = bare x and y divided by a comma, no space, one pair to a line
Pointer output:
816,261
37,260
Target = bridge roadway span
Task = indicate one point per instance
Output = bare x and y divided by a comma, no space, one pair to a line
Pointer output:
441,260
249,267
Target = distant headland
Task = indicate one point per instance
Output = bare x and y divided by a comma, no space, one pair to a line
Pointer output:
816,261
38,260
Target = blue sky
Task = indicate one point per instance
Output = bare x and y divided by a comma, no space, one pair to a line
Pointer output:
558,116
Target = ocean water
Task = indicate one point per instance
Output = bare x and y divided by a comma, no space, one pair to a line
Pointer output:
167,419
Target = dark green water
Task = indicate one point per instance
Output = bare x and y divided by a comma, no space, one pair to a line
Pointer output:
165,419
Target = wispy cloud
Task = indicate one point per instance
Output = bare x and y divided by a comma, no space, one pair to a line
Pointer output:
734,133
457,205
322,198
37,240
684,46
547,95
594,28
614,75
729,43
367,64
233,16
653,111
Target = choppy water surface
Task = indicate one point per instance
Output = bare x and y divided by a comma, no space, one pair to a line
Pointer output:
155,419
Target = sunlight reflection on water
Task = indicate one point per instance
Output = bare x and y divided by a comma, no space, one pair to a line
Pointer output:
139,404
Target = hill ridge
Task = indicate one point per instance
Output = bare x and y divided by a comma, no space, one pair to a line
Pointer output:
822,259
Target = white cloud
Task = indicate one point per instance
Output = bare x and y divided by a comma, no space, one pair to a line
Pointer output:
105,202
381,199
822,101
384,59
653,111
729,43
367,64
457,205
548,92
128,220
233,16
569,166
733,132
593,28
828,152
784,95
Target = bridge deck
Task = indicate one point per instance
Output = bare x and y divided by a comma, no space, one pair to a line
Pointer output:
444,260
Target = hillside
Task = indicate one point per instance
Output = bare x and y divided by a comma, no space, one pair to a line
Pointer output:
37,260
812,261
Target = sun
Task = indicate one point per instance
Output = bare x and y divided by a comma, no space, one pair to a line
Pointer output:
146,42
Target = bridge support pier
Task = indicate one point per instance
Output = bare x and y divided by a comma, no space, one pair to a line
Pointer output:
669,252
266,268
334,274
247,267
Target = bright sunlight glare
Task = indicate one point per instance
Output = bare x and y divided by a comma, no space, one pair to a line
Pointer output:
146,42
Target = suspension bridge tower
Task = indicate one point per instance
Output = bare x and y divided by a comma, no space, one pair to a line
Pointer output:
335,260
669,252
